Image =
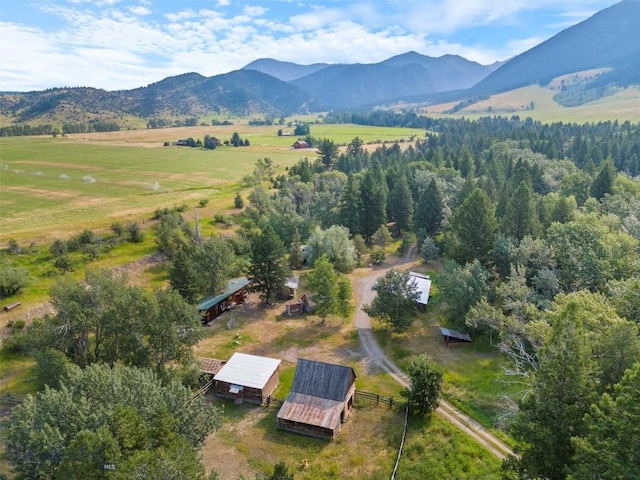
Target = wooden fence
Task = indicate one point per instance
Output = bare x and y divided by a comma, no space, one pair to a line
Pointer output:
375,398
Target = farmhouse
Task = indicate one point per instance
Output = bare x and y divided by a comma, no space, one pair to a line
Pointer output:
247,378
321,397
300,144
423,286
212,307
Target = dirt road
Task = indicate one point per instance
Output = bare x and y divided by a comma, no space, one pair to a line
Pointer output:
375,355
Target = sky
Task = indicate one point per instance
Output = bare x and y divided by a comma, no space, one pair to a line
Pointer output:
125,44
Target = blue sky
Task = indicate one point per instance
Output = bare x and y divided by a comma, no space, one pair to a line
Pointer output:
123,44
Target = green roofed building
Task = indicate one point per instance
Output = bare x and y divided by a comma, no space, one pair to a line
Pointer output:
235,294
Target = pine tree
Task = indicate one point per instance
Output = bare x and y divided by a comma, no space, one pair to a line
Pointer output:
267,271
183,276
374,203
429,211
521,217
400,206
603,184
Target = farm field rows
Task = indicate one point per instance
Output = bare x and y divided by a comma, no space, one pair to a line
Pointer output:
52,185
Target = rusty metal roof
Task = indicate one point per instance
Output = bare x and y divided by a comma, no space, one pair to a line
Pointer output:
211,365
311,410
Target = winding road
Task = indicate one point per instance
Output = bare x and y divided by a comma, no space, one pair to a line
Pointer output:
375,355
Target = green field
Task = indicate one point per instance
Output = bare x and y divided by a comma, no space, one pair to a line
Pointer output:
54,186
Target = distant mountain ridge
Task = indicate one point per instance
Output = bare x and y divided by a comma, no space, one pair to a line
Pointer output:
610,38
609,41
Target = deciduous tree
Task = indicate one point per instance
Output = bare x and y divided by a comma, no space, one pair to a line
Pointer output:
396,301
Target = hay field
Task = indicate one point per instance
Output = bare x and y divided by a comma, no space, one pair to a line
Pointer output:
622,106
52,187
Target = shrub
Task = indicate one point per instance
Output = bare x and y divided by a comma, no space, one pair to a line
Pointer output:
12,280
203,202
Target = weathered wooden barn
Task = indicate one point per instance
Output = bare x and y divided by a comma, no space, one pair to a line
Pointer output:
212,307
247,378
320,399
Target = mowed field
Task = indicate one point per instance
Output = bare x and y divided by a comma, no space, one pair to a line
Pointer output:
622,106
51,187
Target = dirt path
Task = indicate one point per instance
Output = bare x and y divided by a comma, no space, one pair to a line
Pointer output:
375,355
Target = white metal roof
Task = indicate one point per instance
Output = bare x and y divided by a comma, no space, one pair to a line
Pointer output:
423,284
247,370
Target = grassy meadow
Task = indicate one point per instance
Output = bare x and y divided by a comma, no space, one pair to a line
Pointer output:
623,105
54,186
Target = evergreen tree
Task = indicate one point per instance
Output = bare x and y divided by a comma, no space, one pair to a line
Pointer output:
351,206
183,276
429,211
521,217
400,204
374,203
603,183
267,271
610,447
295,253
562,394
472,228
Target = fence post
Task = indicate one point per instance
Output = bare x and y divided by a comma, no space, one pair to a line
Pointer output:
377,398
391,402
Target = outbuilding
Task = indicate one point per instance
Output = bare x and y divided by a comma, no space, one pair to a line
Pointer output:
247,378
423,286
320,399
212,307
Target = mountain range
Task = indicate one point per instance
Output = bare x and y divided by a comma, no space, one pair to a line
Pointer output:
609,40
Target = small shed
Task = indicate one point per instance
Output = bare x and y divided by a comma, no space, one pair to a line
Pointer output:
453,337
212,307
247,378
320,399
290,287
423,286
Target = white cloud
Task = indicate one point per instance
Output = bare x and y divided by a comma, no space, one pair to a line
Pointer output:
140,10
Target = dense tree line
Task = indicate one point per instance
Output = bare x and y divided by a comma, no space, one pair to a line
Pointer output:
539,227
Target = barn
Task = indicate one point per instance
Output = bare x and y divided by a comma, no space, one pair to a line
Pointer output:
212,307
247,378
320,399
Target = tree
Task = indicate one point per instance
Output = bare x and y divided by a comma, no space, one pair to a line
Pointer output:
327,152
295,252
102,319
562,394
336,244
400,204
429,210
350,206
396,302
281,472
603,183
267,271
462,287
373,200
521,217
322,283
214,261
238,202
79,427
472,228
426,384
610,446
183,276
344,293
